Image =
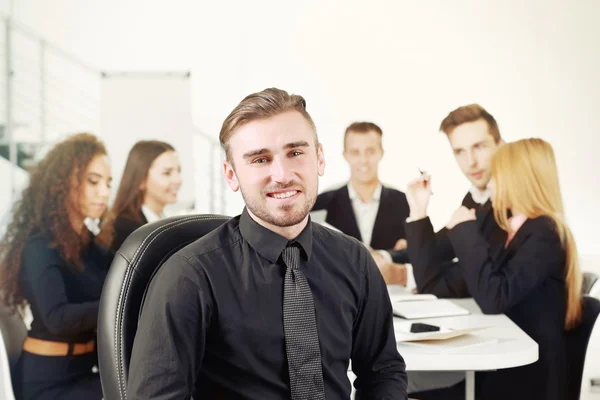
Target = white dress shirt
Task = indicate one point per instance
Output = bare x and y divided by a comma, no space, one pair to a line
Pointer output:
365,213
150,215
478,196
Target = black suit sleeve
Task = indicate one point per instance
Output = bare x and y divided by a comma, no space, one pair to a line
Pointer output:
400,256
497,288
431,257
123,228
323,201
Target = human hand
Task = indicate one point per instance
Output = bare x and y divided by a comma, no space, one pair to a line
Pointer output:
418,193
400,244
380,260
463,214
394,274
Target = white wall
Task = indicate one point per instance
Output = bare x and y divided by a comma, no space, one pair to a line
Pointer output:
157,107
403,64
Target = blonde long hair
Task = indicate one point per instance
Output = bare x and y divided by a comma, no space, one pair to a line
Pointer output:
526,179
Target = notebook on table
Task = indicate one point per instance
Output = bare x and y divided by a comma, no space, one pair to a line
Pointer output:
427,308
411,297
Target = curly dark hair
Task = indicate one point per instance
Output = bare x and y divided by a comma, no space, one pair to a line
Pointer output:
43,207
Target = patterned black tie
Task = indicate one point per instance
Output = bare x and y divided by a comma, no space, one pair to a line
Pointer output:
300,329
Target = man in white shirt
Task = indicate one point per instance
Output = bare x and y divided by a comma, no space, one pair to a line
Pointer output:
364,208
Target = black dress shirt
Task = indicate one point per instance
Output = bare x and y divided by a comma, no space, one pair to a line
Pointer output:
212,323
64,302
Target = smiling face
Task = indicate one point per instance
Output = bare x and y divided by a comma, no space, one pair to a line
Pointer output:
163,181
276,163
363,152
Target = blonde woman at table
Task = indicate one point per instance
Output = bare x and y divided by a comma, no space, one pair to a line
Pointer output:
533,277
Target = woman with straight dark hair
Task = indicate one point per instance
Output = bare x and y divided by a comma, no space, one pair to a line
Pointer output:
151,180
51,261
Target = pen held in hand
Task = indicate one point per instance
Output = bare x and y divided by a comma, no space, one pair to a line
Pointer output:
422,172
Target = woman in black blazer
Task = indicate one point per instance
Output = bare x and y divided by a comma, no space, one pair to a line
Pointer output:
50,261
151,180
533,277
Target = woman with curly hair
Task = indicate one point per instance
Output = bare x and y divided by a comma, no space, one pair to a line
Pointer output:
151,180
51,261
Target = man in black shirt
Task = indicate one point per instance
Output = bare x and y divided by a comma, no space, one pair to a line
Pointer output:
269,305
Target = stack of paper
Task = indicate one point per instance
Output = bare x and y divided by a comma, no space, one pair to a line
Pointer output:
411,297
449,345
442,334
431,308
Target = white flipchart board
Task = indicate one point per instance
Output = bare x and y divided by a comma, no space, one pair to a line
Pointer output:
154,106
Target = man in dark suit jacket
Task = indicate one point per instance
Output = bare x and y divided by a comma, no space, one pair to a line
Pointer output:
364,208
388,225
474,137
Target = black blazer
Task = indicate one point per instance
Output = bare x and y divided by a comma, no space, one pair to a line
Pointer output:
389,223
525,281
433,268
123,227
64,303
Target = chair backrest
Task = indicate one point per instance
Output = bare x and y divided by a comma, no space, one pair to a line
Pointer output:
591,285
12,335
136,262
577,344
590,381
6,385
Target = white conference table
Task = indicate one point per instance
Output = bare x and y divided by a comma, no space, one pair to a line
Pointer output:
502,345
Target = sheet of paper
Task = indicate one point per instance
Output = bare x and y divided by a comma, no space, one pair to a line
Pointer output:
427,309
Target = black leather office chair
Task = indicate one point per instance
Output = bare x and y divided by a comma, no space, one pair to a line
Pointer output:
136,262
577,344
590,284
14,332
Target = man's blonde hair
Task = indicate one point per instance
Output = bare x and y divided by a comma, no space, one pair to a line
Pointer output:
262,105
470,113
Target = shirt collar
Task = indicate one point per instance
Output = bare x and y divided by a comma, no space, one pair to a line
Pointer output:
376,194
479,197
270,244
150,215
93,225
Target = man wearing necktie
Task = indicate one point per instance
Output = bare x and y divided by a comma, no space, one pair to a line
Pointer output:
269,305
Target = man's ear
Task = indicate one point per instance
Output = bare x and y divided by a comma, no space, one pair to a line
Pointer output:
230,176
320,160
